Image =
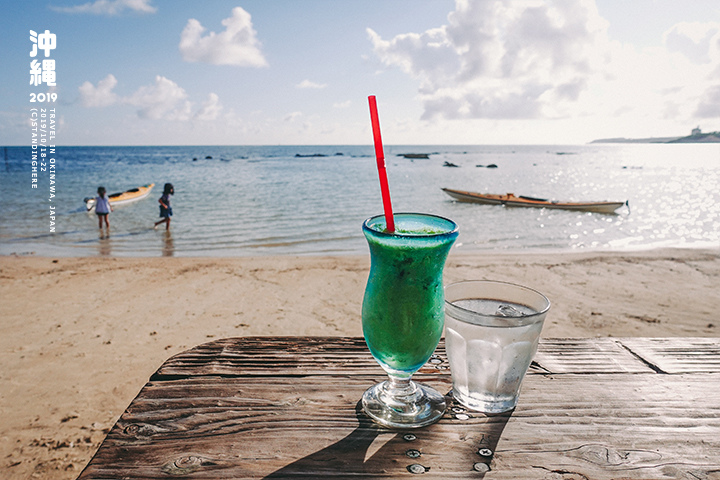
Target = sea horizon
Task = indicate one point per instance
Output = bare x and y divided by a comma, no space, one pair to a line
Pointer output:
611,141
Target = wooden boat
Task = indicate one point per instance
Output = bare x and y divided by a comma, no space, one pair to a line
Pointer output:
128,196
511,200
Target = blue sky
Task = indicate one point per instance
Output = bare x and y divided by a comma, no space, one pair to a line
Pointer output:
162,72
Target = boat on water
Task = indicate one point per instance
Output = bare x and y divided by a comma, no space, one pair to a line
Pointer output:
128,196
511,200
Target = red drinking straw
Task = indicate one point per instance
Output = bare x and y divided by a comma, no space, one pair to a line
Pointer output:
384,188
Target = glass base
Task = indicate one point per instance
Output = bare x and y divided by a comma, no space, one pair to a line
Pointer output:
487,404
402,403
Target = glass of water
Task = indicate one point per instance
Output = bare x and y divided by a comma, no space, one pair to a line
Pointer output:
491,335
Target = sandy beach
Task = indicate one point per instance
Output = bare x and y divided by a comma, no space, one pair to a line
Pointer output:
81,336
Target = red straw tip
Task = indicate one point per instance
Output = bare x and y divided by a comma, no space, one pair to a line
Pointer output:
380,156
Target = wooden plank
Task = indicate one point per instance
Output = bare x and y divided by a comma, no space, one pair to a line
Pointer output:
600,427
332,355
587,355
644,426
677,355
283,356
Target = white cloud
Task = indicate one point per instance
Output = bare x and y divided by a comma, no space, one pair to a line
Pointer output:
345,104
210,109
164,99
291,117
533,59
498,59
236,45
693,39
654,84
428,56
100,96
109,7
709,105
309,84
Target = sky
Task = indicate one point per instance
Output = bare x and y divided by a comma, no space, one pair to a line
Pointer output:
292,72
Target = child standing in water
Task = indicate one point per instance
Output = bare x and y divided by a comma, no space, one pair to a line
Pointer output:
165,208
102,208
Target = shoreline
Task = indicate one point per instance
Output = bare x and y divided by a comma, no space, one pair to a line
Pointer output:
84,334
70,252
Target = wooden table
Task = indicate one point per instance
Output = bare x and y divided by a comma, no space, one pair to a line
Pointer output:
269,407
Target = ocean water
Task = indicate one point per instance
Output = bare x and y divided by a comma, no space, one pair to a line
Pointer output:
312,200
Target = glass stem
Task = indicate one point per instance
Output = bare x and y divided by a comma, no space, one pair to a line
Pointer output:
400,386
401,395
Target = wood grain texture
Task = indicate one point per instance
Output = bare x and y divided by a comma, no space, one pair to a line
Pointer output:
677,355
288,408
588,355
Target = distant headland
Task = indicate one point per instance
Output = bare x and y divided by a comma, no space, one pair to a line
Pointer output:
697,136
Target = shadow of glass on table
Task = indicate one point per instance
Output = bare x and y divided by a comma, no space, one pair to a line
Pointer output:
454,445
